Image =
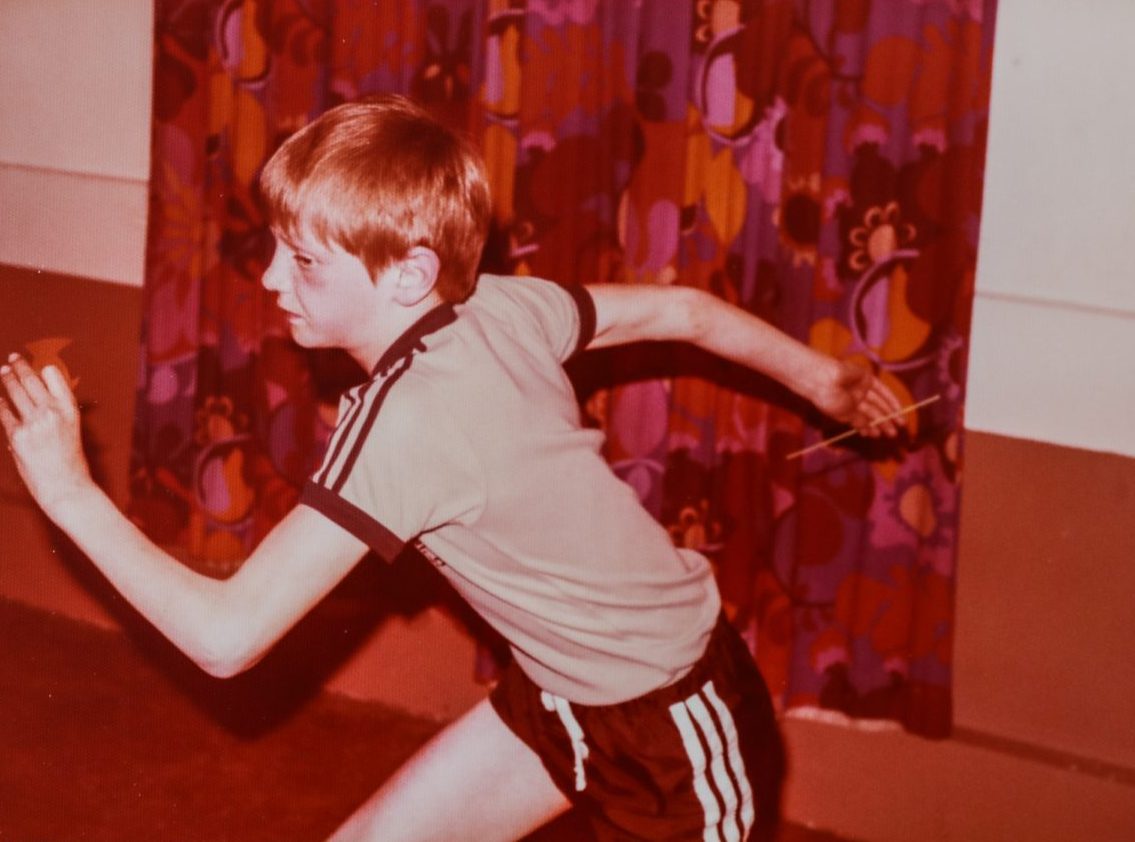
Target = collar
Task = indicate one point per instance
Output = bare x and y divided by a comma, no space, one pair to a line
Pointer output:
411,340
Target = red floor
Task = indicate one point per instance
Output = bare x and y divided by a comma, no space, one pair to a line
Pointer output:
105,738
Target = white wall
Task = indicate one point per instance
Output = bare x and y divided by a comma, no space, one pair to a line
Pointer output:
1053,342
75,83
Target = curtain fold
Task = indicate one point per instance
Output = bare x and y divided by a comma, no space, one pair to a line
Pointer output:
818,163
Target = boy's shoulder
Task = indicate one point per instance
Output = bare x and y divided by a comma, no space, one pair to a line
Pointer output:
492,288
562,317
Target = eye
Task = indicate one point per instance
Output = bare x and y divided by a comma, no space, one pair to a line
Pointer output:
302,260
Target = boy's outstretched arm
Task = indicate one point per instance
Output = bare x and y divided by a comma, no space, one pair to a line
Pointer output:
842,390
224,626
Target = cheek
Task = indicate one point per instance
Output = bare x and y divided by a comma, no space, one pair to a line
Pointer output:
305,291
320,305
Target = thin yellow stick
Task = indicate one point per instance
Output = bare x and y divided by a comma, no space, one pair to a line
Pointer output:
849,433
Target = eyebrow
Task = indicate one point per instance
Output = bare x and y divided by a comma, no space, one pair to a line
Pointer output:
286,240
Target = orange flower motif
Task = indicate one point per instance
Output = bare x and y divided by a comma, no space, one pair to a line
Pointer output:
882,233
799,218
715,17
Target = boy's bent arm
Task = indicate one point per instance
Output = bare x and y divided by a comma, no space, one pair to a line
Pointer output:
634,313
224,626
846,392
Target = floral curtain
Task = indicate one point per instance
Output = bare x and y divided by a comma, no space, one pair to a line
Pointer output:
816,162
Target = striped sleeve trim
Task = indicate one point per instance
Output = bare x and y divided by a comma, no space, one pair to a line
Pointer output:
347,442
348,417
586,306
353,519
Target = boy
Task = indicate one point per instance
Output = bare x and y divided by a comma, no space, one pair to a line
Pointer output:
629,696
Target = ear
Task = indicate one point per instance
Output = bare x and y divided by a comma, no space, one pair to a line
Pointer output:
416,275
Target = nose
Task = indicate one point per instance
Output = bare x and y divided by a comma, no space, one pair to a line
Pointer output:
274,277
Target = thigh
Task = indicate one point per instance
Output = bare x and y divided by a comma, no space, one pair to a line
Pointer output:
475,780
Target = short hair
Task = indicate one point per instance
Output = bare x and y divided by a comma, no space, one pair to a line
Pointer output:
378,177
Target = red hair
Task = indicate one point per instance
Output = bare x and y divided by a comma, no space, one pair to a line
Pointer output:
379,177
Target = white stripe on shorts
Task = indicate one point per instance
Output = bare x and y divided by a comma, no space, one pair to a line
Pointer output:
733,743
732,820
563,710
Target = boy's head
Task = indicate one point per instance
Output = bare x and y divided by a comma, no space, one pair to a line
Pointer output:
379,177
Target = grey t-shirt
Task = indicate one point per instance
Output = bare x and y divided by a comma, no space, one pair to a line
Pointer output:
467,441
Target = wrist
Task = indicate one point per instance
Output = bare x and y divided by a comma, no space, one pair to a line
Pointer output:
816,372
71,502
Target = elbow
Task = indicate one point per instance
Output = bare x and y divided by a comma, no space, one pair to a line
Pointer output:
693,313
225,658
224,668
227,641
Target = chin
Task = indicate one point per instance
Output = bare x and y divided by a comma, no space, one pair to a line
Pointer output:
310,341
303,338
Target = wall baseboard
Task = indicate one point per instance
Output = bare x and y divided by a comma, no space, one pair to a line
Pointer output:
889,786
1069,761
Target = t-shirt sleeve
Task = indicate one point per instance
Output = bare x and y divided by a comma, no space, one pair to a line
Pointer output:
562,317
394,468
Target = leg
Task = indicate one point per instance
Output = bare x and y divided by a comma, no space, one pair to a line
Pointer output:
475,780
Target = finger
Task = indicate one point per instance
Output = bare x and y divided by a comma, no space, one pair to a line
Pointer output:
57,385
17,396
885,394
30,379
888,428
870,426
883,414
863,415
25,389
871,418
8,419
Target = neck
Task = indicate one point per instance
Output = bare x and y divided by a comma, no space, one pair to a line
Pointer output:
401,319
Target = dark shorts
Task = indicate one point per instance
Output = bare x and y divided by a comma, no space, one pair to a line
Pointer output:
699,759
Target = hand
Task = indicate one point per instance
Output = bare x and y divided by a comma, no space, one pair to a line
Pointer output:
41,421
852,394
